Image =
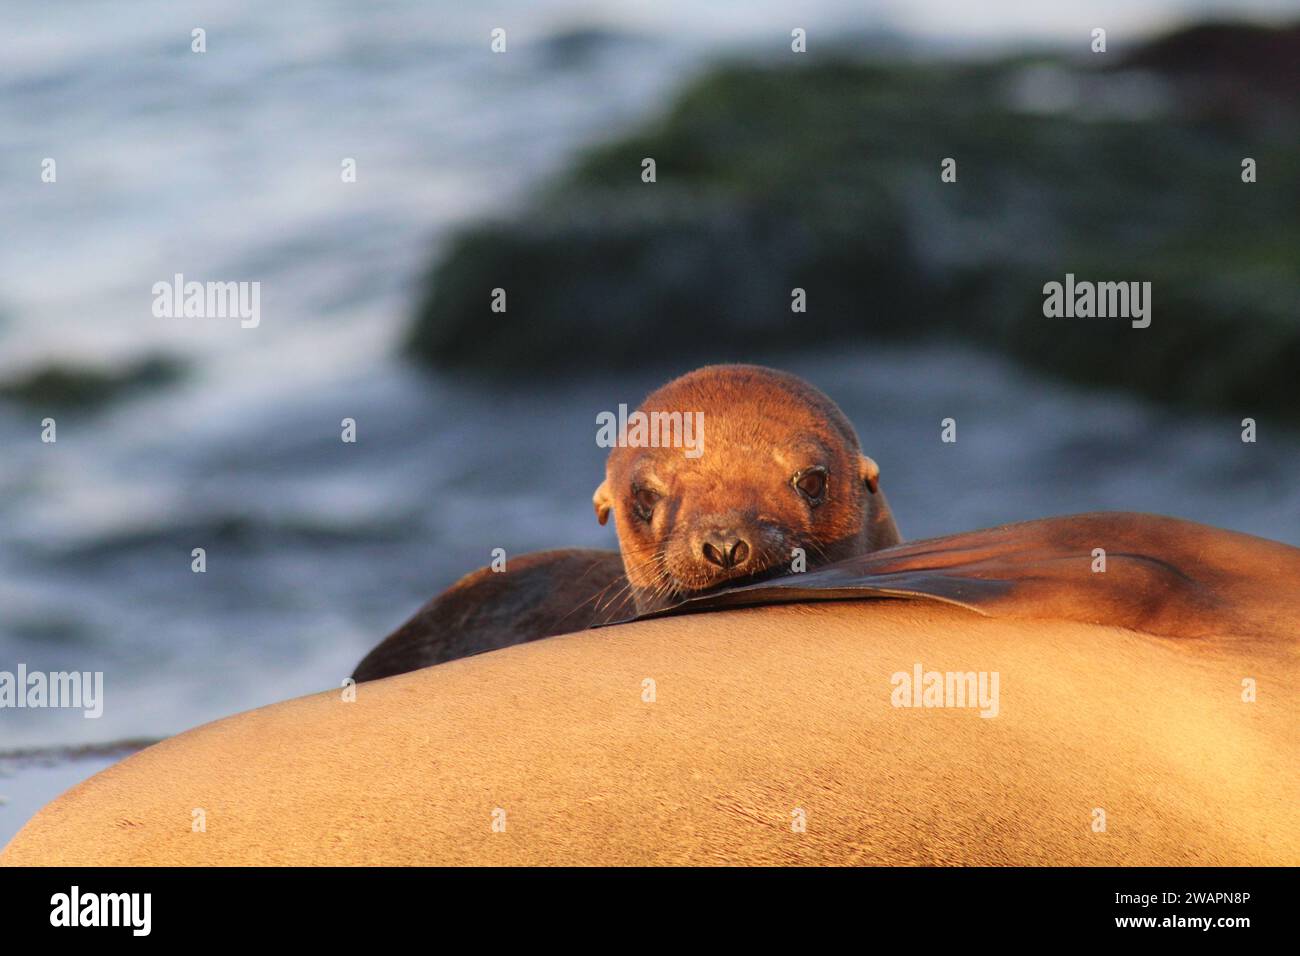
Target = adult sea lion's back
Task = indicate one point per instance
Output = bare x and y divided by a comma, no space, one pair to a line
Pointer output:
1149,573
771,735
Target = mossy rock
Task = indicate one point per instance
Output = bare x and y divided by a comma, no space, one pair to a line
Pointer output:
68,386
825,177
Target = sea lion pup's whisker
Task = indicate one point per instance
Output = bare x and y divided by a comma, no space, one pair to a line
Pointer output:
629,588
623,588
587,573
812,544
657,583
624,591
661,586
594,601
654,549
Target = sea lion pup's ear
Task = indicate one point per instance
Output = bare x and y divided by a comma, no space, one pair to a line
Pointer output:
603,501
869,473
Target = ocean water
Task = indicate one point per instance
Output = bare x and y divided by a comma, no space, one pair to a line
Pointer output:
226,166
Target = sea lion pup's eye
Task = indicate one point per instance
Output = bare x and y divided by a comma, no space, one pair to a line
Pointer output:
644,501
811,483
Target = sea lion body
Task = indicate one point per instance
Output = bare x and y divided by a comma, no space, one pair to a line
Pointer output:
736,512
1111,745
539,595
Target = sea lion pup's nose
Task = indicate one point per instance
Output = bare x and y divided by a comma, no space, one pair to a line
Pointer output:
726,549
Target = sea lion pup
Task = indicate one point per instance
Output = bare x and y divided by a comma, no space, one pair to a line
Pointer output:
772,481
779,484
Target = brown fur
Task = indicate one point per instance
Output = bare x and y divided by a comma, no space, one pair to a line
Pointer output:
761,711
758,712
538,595
760,428
1163,576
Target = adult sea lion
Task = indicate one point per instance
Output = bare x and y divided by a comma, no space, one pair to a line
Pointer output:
1158,575
1147,716
779,482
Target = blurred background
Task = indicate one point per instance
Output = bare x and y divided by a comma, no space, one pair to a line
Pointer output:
477,170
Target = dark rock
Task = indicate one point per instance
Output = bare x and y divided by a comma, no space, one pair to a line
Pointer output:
63,386
826,177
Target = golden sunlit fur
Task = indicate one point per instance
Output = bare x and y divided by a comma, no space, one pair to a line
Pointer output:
761,428
757,714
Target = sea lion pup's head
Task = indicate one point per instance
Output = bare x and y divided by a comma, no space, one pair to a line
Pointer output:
776,467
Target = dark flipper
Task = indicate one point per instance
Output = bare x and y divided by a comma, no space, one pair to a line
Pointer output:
1163,576
540,595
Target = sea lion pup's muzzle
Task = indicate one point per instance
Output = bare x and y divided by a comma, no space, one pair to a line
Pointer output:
773,483
719,548
727,549
725,542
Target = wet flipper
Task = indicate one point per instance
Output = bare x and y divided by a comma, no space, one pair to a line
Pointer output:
1161,576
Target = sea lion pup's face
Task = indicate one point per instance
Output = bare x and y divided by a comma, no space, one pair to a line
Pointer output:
776,467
